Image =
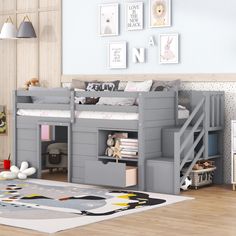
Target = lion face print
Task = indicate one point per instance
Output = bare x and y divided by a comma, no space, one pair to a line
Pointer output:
159,12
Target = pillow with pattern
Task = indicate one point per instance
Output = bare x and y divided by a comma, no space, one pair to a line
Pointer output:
100,86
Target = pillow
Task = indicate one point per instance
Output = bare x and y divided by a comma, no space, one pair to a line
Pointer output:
78,84
100,86
49,99
122,85
166,85
143,86
130,87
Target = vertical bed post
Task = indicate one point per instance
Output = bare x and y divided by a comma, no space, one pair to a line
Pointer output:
176,163
141,151
39,151
14,126
69,146
72,106
206,122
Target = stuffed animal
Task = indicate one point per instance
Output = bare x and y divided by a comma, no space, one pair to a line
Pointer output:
21,173
110,143
32,82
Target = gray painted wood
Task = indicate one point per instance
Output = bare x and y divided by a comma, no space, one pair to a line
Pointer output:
160,175
85,150
79,161
108,124
26,134
110,174
49,93
34,106
106,94
86,137
160,114
78,172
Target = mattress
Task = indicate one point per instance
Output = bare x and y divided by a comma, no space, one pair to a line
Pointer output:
182,114
79,114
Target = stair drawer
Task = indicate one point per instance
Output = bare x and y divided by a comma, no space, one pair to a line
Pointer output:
110,174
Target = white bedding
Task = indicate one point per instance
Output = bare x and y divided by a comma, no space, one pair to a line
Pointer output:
79,114
182,114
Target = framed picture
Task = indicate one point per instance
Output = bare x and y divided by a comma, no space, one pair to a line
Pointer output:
134,16
168,48
108,19
159,13
117,58
3,121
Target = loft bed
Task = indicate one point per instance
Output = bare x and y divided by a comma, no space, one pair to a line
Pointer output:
89,125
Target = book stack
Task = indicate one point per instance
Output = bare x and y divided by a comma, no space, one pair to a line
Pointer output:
129,147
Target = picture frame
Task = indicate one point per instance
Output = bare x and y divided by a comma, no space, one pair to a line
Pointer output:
159,13
134,16
108,19
169,48
117,55
3,121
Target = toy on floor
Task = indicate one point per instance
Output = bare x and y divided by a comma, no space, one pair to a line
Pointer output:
187,183
21,173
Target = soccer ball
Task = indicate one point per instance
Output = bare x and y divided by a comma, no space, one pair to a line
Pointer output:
187,183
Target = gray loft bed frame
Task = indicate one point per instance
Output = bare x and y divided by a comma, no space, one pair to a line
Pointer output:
86,137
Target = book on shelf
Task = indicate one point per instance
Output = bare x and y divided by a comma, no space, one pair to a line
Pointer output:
129,140
129,153
129,156
129,144
124,147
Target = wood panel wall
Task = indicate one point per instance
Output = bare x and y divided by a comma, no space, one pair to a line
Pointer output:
24,59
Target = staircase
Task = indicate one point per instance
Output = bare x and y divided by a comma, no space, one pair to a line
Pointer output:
183,146
198,127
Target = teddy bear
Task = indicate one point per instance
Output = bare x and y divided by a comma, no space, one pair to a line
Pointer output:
32,82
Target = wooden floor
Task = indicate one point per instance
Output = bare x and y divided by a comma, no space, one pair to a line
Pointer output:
213,212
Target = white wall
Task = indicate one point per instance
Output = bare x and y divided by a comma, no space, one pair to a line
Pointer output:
207,43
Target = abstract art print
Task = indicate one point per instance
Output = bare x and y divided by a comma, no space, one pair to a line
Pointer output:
160,13
168,48
109,19
117,58
134,16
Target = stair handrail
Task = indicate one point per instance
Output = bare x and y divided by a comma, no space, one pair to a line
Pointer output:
178,147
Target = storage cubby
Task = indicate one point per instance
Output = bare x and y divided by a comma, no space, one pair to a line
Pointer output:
107,170
102,141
